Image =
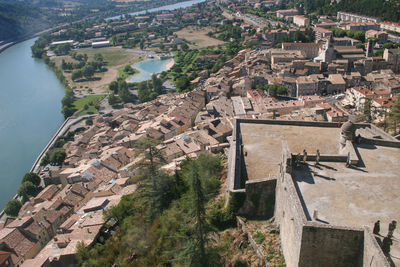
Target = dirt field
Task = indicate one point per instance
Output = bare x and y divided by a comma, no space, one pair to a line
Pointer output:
198,36
115,57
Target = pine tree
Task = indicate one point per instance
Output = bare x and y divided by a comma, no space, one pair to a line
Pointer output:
200,227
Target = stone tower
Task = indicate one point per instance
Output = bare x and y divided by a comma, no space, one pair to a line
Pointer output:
347,133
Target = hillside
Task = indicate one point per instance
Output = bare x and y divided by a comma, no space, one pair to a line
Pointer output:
19,18
384,10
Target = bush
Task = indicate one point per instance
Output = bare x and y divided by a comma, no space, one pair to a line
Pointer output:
236,202
221,218
89,121
12,208
59,143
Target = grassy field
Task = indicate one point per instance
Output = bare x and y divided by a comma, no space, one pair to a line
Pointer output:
116,58
198,37
88,104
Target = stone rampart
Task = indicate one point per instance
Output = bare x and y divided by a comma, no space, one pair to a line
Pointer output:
260,199
294,123
378,131
372,253
330,246
304,242
289,212
380,142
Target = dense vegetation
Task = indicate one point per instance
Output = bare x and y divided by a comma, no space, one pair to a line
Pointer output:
168,220
119,92
30,187
385,10
17,20
273,89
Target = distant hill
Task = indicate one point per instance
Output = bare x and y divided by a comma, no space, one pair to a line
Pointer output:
382,9
17,20
22,17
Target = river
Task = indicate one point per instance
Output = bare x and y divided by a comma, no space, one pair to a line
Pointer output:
168,7
30,113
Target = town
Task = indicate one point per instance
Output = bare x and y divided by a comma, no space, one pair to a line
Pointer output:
302,96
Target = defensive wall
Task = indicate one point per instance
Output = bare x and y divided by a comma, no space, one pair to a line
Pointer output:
305,241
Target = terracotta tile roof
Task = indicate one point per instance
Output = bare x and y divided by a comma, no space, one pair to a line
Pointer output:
48,193
15,240
4,256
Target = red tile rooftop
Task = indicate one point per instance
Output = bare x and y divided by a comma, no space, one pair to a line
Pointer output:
320,29
3,257
300,44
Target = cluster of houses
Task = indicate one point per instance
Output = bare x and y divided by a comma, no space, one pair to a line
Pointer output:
96,171
99,35
101,159
296,66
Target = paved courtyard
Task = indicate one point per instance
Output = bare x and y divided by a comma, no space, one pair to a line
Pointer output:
263,144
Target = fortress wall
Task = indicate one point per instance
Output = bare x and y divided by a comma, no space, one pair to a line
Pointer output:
260,199
237,156
380,142
378,131
372,254
294,123
304,243
288,211
326,245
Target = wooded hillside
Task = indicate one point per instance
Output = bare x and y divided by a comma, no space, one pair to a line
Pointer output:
384,10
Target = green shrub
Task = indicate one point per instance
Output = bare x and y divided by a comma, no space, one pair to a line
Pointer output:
236,202
220,217
259,237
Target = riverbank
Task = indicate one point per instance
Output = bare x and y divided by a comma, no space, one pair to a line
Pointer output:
5,46
30,113
36,165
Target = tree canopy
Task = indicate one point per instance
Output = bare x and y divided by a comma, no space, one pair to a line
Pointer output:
58,157
31,177
274,89
165,224
27,190
12,208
